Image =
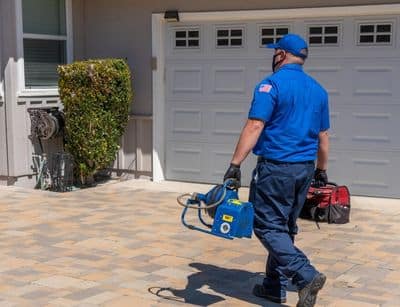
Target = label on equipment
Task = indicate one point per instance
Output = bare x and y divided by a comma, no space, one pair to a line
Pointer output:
227,218
225,228
236,202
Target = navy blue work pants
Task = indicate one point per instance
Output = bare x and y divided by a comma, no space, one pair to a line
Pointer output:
278,191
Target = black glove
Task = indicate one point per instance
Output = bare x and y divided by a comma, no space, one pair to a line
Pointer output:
320,178
234,173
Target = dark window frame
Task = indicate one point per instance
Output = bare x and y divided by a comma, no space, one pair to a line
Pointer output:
370,33
189,38
325,37
230,37
273,36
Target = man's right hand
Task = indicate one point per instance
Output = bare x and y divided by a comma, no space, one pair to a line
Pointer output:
234,173
320,177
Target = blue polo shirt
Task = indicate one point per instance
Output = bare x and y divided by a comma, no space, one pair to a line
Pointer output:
295,109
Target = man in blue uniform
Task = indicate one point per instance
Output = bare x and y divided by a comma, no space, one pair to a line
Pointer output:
287,129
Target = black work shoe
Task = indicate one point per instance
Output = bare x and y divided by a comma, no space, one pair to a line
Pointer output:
261,291
308,295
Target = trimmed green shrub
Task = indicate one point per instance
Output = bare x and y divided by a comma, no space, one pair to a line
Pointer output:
96,95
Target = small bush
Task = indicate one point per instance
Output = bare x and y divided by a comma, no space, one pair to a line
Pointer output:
97,96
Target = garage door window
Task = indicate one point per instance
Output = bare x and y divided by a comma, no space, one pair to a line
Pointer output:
323,35
270,35
230,37
187,38
375,33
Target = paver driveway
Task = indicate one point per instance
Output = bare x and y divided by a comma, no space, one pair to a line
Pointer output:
117,244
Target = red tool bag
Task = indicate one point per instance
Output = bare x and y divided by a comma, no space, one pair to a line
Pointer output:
330,203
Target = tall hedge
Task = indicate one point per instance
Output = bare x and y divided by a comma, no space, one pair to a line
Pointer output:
97,96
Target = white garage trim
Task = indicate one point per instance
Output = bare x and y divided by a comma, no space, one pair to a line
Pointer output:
342,11
158,162
158,23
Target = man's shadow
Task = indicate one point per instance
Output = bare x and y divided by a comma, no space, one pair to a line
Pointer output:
234,283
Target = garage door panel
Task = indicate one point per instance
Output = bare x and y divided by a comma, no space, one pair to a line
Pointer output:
185,122
185,160
229,80
185,82
354,168
247,168
376,98
204,162
219,157
227,123
189,123
329,75
209,90
350,81
371,127
335,137
374,82
210,84
228,83
373,79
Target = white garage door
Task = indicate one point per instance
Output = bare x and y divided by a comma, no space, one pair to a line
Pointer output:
212,68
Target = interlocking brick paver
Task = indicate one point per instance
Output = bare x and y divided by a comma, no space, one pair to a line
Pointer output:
63,282
129,301
101,298
83,294
119,244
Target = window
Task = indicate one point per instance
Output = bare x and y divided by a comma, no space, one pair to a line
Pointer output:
375,33
187,38
326,35
230,37
44,25
270,35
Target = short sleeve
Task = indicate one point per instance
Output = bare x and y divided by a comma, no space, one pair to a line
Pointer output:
325,124
264,100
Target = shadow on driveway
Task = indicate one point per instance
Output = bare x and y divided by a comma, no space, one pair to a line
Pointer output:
233,283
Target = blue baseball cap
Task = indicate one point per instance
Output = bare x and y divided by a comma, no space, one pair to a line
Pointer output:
292,43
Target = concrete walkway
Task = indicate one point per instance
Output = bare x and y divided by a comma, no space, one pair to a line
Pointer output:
122,243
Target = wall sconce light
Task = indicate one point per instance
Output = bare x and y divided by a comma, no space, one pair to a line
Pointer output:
171,16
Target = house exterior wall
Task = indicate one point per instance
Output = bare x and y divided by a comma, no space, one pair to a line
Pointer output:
17,148
3,140
101,29
7,64
124,30
78,28
16,163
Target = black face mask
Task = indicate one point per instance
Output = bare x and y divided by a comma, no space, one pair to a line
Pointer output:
274,65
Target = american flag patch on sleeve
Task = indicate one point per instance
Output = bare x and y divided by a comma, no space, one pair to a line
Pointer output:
265,88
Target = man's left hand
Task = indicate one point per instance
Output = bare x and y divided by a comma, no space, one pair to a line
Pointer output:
320,177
